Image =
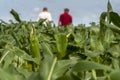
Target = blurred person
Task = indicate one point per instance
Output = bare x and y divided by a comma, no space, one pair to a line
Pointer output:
65,18
45,14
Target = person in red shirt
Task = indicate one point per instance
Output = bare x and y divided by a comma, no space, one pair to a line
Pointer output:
65,18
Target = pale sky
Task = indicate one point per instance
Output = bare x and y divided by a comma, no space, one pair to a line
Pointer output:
82,11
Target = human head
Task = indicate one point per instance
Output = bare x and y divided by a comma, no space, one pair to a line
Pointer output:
45,9
66,10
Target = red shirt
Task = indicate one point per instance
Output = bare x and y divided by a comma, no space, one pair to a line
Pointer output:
65,19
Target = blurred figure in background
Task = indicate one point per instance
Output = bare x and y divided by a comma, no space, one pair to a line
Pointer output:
65,18
45,15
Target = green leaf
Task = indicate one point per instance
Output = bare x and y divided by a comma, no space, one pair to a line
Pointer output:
114,28
48,63
114,50
15,15
102,26
24,72
102,18
16,39
61,67
34,45
34,76
22,54
115,75
51,68
7,76
61,42
7,60
96,44
109,6
109,9
89,65
115,18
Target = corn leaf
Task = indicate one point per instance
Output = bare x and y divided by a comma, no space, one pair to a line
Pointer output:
51,68
115,75
89,65
7,76
15,15
109,9
115,18
61,43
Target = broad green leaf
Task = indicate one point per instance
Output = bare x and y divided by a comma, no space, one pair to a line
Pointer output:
115,75
114,50
34,76
51,68
61,43
102,18
7,76
109,36
115,63
7,59
22,54
61,67
114,28
15,15
89,65
47,64
102,26
24,72
80,37
115,18
47,68
94,53
96,44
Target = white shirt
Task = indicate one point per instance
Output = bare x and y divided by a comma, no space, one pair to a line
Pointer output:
45,15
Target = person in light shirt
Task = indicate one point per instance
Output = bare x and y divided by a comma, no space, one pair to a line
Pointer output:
45,15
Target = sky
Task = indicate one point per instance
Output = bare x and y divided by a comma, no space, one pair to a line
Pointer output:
82,11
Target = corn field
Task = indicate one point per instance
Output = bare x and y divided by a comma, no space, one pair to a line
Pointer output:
33,51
